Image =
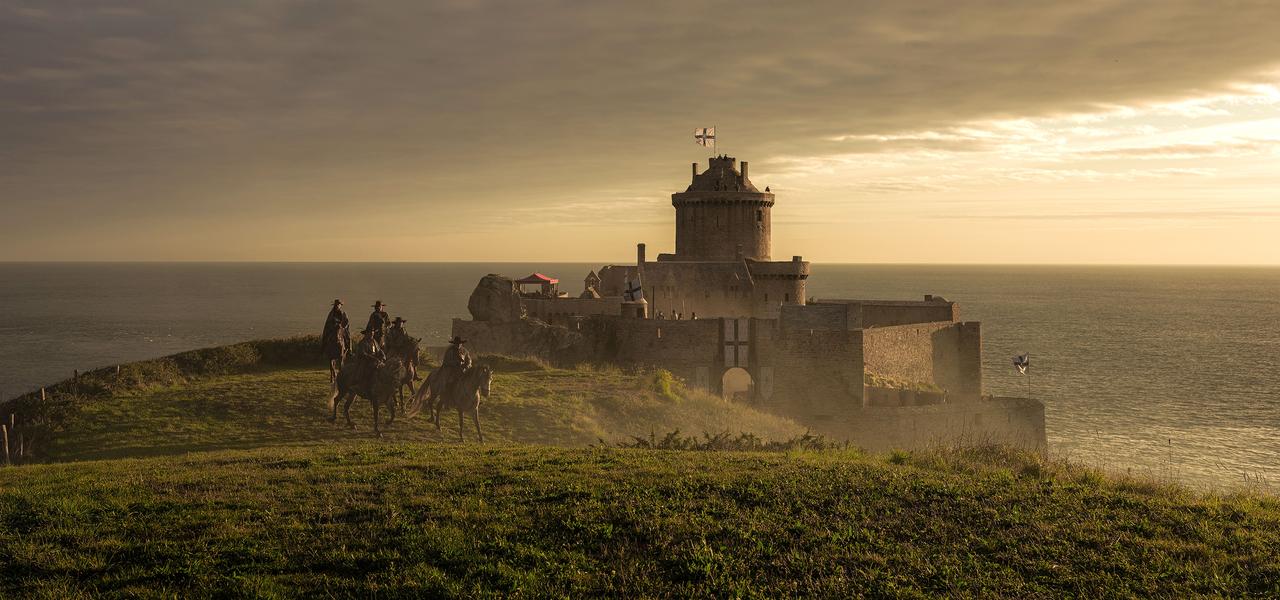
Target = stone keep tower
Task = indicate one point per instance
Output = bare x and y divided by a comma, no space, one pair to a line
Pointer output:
721,216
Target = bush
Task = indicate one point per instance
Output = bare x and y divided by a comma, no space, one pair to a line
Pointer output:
665,385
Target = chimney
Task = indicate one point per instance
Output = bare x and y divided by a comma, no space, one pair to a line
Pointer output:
744,170
695,170
640,256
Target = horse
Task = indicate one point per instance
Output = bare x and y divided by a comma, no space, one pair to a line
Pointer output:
380,392
336,349
407,353
465,395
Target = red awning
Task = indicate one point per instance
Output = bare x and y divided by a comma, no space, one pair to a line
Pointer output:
538,278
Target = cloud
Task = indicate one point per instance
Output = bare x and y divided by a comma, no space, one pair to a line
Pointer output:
1226,148
1125,215
477,109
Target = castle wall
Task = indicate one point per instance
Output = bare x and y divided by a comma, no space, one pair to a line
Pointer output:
817,374
884,313
944,354
710,289
821,317
681,347
548,309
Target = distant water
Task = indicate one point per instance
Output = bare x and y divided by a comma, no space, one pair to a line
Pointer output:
1171,372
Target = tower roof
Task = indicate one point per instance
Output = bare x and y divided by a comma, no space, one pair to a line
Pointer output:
721,176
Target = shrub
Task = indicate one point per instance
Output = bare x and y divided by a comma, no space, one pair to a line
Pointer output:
665,385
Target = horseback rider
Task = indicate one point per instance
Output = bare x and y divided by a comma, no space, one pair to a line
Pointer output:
369,357
454,365
378,321
397,337
336,339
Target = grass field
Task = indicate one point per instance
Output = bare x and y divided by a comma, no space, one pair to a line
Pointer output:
405,518
217,475
530,403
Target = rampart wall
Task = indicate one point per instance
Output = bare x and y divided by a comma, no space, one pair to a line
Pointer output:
817,374
548,309
681,347
885,313
947,355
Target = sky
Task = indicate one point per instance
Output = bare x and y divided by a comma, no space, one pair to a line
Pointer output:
1091,131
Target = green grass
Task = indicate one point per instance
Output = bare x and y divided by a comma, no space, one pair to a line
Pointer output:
215,474
396,519
265,405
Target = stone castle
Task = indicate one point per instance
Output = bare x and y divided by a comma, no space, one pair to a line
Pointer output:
724,316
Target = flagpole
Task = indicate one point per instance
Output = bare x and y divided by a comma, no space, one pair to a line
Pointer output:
1028,376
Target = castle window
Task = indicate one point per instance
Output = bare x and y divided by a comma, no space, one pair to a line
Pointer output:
786,297
759,216
766,297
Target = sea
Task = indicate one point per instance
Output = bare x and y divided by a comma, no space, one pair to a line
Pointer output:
1170,373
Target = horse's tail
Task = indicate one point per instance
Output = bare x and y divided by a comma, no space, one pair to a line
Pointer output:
419,397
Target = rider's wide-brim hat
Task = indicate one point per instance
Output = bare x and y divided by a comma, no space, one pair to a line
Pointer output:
379,303
457,340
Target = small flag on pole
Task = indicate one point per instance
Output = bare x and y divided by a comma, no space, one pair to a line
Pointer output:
705,136
633,293
1022,362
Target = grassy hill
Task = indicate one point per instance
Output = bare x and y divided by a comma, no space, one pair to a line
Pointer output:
274,392
214,473
394,519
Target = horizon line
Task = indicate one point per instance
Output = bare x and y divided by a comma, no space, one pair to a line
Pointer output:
607,262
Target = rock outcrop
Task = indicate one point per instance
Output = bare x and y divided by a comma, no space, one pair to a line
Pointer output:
496,298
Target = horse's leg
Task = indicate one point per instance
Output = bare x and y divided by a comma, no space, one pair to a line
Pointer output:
460,424
376,429
346,409
475,416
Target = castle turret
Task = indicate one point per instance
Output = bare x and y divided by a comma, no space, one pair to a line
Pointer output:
722,216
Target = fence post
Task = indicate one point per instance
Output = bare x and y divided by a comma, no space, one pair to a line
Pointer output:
4,440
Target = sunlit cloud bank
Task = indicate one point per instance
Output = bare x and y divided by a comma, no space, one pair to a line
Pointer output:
1127,162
